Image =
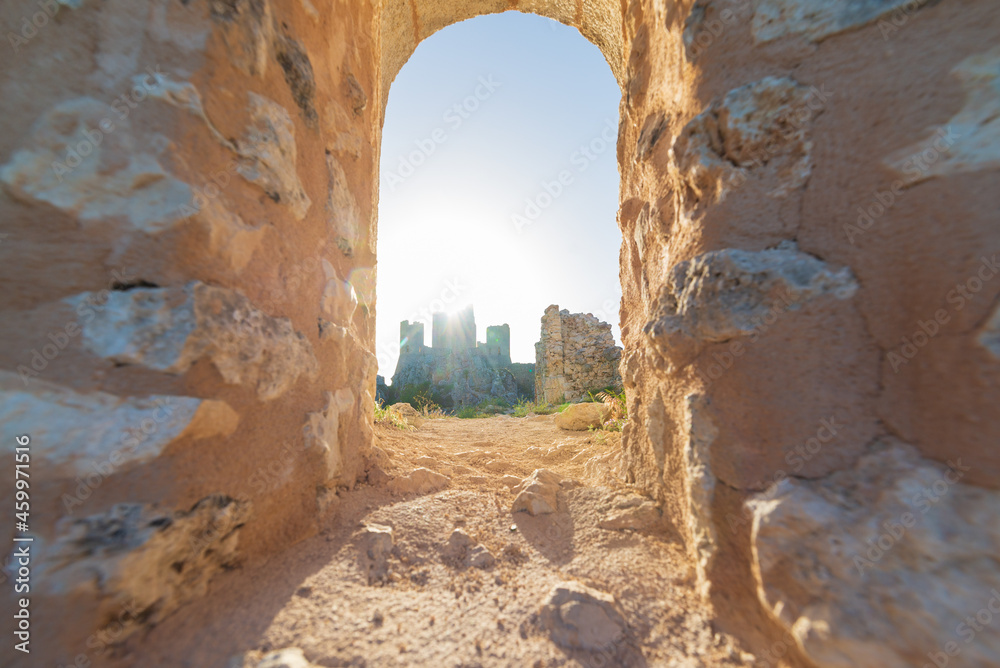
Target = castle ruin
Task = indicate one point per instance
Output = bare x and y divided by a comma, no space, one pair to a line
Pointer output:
457,370
575,354
795,238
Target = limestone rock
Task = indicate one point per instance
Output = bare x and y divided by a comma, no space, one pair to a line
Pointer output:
638,518
409,413
180,94
759,126
342,209
538,494
80,433
819,19
575,353
376,542
463,550
167,329
83,160
581,417
290,657
322,432
247,29
863,566
481,557
151,560
229,237
298,71
339,299
510,481
989,334
578,617
701,434
419,481
724,294
458,544
269,155
970,140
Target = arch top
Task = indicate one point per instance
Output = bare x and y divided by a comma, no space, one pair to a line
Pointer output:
406,23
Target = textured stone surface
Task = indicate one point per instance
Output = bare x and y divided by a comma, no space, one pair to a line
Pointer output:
581,417
729,293
247,28
690,129
641,517
969,141
409,413
289,657
168,329
579,617
538,494
818,19
880,564
759,129
79,433
419,481
323,434
700,487
270,155
83,159
342,209
989,334
375,541
575,354
151,560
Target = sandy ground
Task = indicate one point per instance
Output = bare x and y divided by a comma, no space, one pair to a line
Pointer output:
423,605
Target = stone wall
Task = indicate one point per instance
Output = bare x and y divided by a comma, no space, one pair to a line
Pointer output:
809,309
187,198
576,354
807,275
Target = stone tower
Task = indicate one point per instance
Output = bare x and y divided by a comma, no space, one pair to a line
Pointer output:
411,337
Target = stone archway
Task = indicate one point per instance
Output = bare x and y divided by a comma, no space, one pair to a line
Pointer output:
188,203
404,24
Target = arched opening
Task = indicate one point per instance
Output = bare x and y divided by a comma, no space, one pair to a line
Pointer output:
499,191
404,24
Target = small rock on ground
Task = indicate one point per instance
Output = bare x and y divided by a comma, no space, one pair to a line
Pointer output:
538,494
580,417
578,617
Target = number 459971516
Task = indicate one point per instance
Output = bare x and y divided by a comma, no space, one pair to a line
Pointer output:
22,459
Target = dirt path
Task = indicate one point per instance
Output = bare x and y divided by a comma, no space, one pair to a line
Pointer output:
394,585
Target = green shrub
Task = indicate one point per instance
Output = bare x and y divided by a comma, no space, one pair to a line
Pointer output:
387,416
468,413
523,407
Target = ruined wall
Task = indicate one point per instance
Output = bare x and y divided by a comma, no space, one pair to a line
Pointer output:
411,337
188,260
809,313
497,341
575,354
809,308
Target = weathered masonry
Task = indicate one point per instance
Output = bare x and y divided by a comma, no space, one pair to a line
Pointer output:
809,317
575,354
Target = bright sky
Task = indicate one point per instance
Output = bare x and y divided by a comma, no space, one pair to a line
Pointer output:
536,103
